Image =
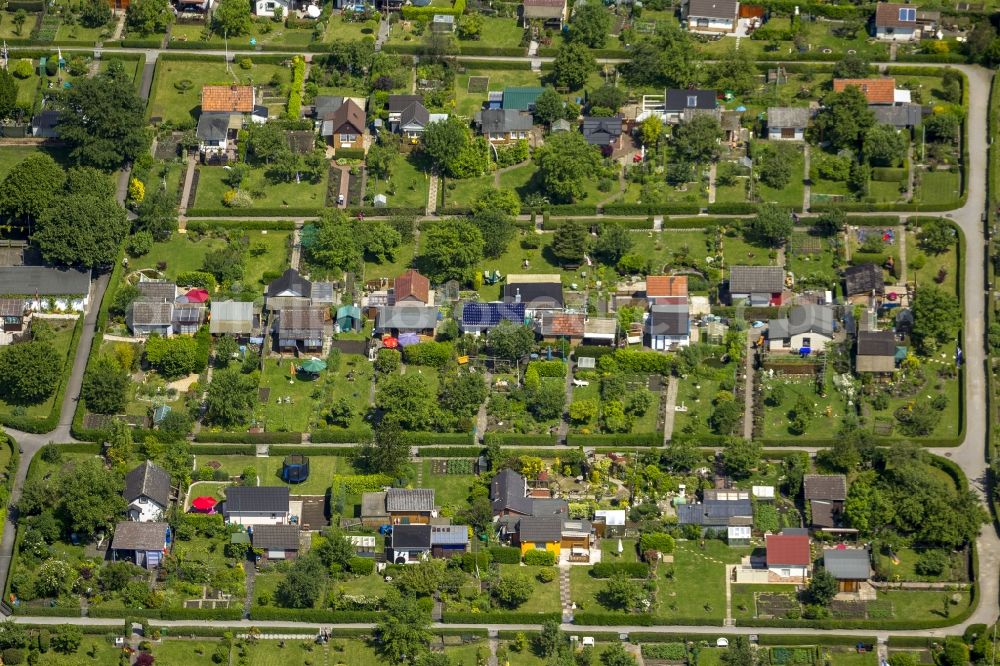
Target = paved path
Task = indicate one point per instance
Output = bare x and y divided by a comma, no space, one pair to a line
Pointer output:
668,409
383,34
565,594
432,194
186,191
712,170
296,248
901,242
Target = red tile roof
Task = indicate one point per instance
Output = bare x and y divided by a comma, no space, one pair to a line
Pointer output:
877,91
412,284
788,549
227,99
666,285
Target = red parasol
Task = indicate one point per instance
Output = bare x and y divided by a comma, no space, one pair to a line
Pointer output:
390,342
197,296
204,503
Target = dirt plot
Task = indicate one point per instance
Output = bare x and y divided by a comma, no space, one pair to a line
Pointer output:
479,84
315,511
775,605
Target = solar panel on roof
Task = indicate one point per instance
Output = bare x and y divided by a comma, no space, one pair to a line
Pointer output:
907,14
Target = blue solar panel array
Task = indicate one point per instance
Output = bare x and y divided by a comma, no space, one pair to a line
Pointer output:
491,314
907,14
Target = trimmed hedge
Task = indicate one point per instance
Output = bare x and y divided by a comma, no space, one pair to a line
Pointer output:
494,64
313,615
307,450
437,438
623,439
249,437
255,212
515,439
231,450
651,209
732,208
450,451
540,558
630,569
496,51
505,554
204,226
339,436
494,618
50,611
598,619
815,639
201,613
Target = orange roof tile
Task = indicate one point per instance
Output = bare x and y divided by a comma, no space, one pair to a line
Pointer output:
666,285
227,99
877,91
412,284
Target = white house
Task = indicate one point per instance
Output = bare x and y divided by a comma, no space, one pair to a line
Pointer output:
788,558
669,326
896,22
268,7
147,491
256,505
712,15
787,123
62,288
807,327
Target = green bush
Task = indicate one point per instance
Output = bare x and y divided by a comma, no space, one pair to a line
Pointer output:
505,554
540,558
656,541
431,354
361,566
549,368
610,569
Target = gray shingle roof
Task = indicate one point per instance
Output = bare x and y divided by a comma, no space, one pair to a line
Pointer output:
677,100
397,103
803,319
290,284
301,323
213,126
876,343
12,307
43,280
373,504
403,499
325,105
669,320
825,487
540,528
150,480
496,121
756,279
407,317
507,492
148,313
904,115
256,499
724,9
415,114
847,563
863,279
788,116
157,290
601,131
130,535
276,537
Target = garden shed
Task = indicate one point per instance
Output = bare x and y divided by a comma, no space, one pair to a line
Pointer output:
349,318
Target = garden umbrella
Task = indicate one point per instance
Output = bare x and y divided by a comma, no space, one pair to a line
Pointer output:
390,342
204,503
196,296
621,549
407,339
313,365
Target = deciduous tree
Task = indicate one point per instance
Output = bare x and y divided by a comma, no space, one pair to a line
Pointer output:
29,187
29,372
564,163
450,250
232,18
105,386
146,17
697,140
572,65
590,25
90,499
230,399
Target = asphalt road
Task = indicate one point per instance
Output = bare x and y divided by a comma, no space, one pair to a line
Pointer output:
971,455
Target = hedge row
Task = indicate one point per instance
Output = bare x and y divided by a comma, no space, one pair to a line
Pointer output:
630,569
514,439
598,619
339,436
505,554
313,615
427,13
732,208
249,437
634,224
224,450
495,64
254,212
815,639
437,438
49,611
624,439
201,614
206,630
204,226
308,450
386,211
449,451
496,51
496,618
888,207
179,57
651,209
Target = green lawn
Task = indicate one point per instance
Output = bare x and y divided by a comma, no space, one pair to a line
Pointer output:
665,247
934,264
609,548
777,420
696,393
169,652
519,178
544,597
305,194
275,34
62,337
180,105
81,33
339,30
938,187
537,260
407,184
698,587
812,268
321,470
296,414
93,650
464,191
738,252
11,156
790,195
450,490
468,103
391,269
186,252
906,569
920,605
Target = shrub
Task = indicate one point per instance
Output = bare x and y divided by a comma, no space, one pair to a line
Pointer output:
542,558
432,354
139,244
506,554
549,368
546,575
361,566
656,541
610,569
